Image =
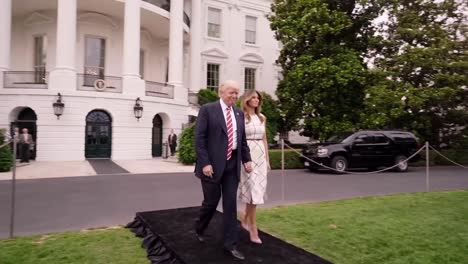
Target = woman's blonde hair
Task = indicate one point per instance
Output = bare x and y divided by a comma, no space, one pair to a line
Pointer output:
244,104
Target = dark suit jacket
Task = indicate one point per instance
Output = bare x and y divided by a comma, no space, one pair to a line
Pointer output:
211,141
173,140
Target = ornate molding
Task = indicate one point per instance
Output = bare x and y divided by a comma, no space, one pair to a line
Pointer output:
215,52
97,19
234,4
252,57
37,18
146,34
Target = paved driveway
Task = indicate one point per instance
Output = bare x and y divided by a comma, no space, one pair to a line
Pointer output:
54,205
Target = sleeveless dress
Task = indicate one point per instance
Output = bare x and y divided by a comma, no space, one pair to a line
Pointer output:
252,186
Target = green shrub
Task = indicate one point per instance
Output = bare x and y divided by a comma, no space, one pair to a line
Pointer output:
291,160
270,110
207,96
186,149
6,160
458,155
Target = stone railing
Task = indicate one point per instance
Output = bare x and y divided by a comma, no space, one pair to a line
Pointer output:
159,89
26,79
100,83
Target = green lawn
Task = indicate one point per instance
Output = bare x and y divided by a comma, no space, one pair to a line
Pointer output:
425,228
94,246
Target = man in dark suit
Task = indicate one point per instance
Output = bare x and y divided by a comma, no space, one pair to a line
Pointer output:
221,146
25,143
172,141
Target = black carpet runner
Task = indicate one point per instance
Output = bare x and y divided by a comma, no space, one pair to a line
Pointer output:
169,238
106,166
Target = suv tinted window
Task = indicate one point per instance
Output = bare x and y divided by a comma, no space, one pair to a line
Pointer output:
380,139
403,137
363,139
340,138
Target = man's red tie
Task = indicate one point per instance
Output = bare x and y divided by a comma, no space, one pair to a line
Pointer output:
230,132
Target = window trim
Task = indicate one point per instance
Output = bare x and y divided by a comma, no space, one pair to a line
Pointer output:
221,21
105,50
219,74
255,43
254,77
46,50
142,64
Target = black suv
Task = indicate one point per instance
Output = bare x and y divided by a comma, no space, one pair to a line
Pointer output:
364,149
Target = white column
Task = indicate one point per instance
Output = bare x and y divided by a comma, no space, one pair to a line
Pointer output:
176,53
5,36
132,83
195,57
63,77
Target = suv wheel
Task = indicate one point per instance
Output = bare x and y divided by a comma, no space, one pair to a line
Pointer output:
339,163
402,164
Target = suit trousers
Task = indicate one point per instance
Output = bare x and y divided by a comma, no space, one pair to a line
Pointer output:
173,149
24,149
212,191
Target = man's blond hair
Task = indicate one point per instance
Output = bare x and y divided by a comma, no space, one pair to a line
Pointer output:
226,84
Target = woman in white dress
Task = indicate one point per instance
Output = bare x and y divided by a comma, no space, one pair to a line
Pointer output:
252,185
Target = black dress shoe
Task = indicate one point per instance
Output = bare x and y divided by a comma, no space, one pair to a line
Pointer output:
237,255
200,237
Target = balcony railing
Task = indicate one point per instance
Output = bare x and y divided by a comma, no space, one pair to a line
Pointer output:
100,83
25,79
159,89
193,98
166,5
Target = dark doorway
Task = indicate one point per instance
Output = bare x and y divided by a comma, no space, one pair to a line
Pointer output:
98,141
26,119
157,136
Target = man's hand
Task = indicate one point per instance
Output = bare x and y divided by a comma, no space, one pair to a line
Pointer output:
208,171
248,167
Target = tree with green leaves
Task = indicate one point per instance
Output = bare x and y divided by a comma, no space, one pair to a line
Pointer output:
207,96
187,154
420,78
273,118
322,61
6,158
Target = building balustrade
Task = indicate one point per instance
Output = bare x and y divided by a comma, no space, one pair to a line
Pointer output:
26,79
100,83
159,89
193,98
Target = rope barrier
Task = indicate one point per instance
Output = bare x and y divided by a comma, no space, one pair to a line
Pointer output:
447,158
349,172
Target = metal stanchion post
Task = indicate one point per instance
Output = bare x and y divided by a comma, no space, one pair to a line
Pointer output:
13,190
282,170
427,166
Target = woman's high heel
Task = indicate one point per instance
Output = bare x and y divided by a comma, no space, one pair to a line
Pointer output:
254,238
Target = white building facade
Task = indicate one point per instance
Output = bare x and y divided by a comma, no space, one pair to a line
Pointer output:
102,59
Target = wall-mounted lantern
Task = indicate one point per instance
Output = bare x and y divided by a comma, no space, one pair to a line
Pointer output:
138,109
58,106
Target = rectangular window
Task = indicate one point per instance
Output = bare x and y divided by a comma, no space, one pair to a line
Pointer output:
95,56
250,29
40,58
212,76
142,64
214,22
249,78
